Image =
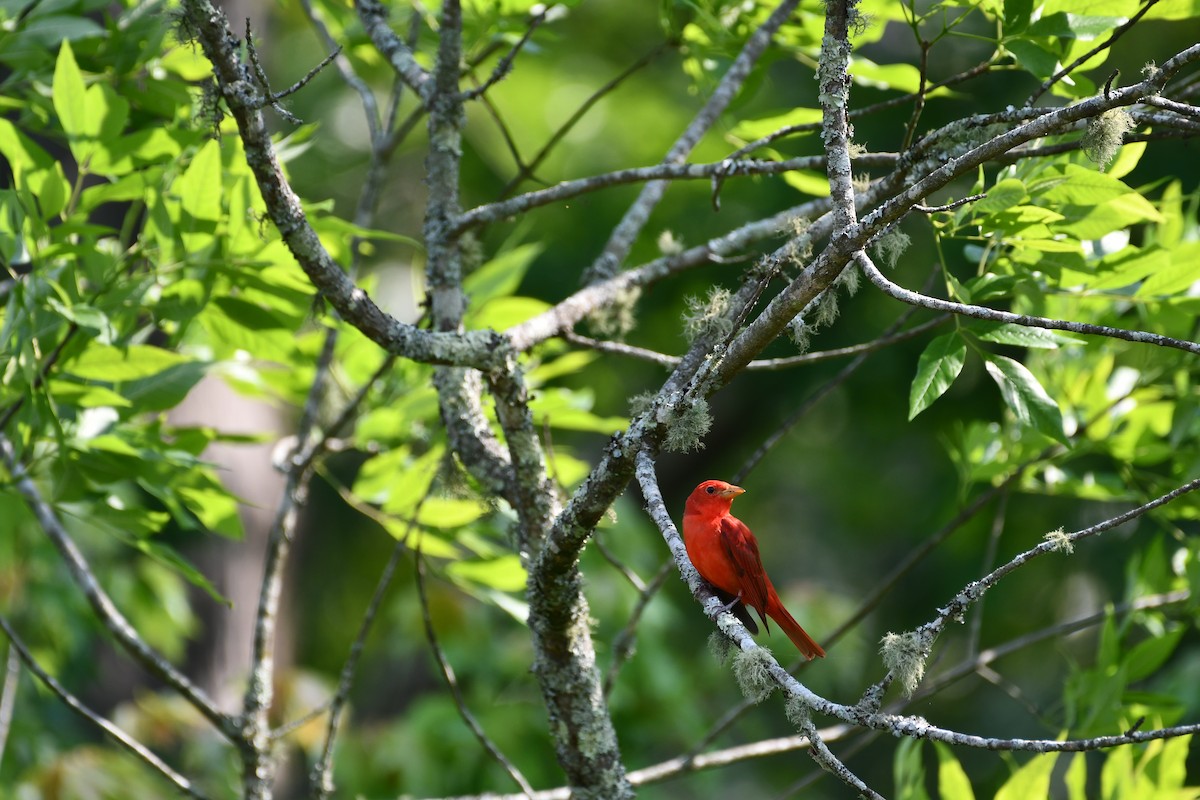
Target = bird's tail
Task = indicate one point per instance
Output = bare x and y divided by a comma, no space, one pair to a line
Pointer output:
804,643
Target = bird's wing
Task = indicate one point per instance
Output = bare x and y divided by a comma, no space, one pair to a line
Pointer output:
739,543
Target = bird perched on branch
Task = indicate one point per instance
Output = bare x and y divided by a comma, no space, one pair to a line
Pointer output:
725,553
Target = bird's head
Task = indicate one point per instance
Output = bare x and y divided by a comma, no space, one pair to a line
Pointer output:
713,495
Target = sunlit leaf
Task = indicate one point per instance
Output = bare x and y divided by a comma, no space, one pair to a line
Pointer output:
940,363
1025,397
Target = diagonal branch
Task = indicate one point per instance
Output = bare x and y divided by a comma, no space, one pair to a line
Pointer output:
626,232
374,19
118,735
106,611
481,349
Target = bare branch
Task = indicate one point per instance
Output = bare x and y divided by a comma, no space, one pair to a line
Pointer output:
117,734
979,312
830,763
393,48
766,364
493,212
976,590
258,764
623,642
8,695
504,66
627,230
527,170
321,777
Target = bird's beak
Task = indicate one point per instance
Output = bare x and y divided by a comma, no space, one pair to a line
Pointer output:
732,491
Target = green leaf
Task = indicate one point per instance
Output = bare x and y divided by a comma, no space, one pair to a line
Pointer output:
1128,267
1025,397
213,505
101,362
751,129
939,365
416,538
1032,57
70,97
169,557
199,187
1020,335
86,396
1149,655
1116,776
165,390
504,574
450,512
953,783
1172,766
570,409
1004,195
501,276
909,771
1177,276
1031,780
1076,777
502,313
807,181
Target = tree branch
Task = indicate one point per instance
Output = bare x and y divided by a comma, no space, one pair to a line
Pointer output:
106,611
979,312
258,764
117,734
480,349
627,230
452,684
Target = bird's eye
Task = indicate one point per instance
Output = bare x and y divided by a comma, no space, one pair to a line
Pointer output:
710,489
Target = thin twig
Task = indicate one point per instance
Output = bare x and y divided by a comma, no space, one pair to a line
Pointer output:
8,695
765,364
979,312
118,735
924,209
257,760
42,374
322,771
452,684
837,380
830,763
527,170
975,627
623,642
504,66
1069,68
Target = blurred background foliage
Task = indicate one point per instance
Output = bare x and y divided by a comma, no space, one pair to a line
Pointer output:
145,266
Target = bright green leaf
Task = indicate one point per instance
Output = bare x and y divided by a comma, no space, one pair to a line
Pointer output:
1004,195
1025,397
1032,779
199,187
939,365
101,362
501,276
953,783
1021,335
70,97
504,574
807,181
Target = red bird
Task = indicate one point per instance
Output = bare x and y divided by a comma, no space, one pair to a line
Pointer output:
725,553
